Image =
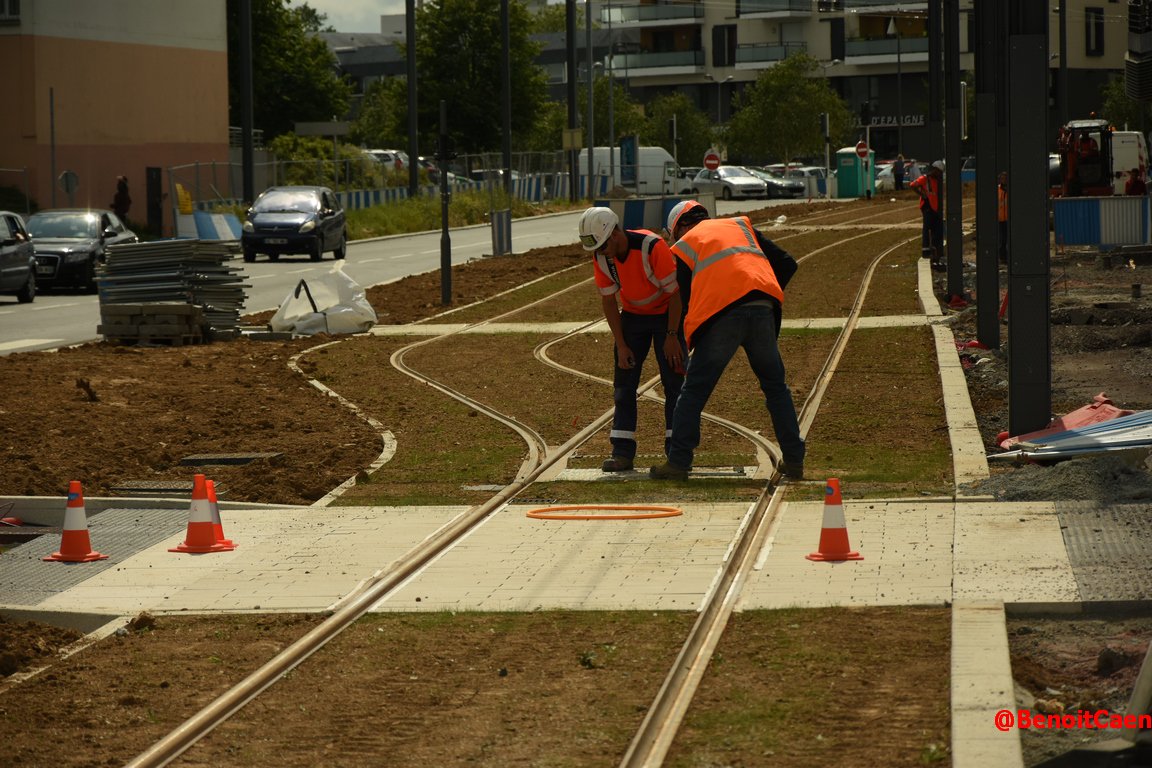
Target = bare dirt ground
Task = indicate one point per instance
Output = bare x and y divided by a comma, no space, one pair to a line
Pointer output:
111,414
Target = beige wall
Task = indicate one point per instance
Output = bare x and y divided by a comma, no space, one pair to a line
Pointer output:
133,84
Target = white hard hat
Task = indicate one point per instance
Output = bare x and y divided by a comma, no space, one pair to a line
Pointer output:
678,212
939,164
596,227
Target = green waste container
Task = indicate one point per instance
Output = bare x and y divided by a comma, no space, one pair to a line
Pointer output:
855,175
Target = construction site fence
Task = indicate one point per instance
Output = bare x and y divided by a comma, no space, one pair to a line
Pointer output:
364,182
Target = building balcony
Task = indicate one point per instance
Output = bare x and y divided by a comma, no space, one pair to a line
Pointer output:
653,15
773,9
666,63
885,51
762,55
882,6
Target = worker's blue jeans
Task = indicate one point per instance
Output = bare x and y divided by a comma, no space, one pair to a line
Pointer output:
753,327
641,332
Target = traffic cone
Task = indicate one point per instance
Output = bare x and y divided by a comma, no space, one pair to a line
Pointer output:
834,533
201,535
75,545
217,524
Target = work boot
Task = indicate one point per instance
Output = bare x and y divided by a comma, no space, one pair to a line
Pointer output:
668,471
617,464
793,470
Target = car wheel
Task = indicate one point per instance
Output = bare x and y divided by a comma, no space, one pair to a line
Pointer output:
27,294
273,257
249,255
317,251
726,193
342,249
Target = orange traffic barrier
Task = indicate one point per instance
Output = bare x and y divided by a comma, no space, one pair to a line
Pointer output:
217,523
201,535
834,533
75,545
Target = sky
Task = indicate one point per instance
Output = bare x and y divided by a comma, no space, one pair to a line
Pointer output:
355,15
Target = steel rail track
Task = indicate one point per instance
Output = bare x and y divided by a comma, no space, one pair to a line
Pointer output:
655,735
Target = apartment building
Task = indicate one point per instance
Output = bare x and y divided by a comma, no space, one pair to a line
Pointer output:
99,90
873,52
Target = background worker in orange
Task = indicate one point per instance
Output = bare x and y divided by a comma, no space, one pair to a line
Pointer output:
732,280
930,187
636,267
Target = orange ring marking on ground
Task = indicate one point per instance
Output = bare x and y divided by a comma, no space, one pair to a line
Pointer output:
641,512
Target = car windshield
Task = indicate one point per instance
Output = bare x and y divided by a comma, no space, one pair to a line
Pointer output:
72,225
732,171
285,200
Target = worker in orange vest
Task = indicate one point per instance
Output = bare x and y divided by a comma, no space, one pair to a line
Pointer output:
637,268
732,282
930,187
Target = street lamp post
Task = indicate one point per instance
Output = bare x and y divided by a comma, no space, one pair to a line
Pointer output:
719,95
611,99
893,29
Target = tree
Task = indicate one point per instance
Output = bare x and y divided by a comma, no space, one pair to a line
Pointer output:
383,115
778,116
1122,111
293,71
694,131
460,59
627,117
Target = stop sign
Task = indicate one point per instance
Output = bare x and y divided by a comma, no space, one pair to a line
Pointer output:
861,149
711,161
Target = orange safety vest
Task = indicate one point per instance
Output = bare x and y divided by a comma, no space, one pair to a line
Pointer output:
931,188
1001,204
727,264
645,278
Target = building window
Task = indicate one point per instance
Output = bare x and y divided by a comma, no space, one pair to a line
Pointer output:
9,12
1093,31
724,45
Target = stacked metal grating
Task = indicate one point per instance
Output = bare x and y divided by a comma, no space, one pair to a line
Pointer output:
192,272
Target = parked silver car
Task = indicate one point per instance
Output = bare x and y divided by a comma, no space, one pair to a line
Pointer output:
728,182
17,259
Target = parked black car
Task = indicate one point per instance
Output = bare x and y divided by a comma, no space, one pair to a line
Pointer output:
286,220
71,242
17,259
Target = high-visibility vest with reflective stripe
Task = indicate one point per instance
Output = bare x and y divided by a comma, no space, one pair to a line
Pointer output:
645,279
726,265
931,189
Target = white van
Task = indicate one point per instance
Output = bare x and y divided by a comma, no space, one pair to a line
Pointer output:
655,172
1129,150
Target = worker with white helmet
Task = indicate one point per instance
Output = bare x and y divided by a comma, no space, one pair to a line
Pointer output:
636,269
732,282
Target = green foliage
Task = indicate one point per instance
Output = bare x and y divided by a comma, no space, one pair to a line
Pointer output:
694,129
627,115
553,18
423,214
383,115
294,72
1121,111
309,160
460,59
778,116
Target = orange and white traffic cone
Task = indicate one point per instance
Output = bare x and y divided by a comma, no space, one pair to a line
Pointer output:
217,523
834,533
75,545
201,535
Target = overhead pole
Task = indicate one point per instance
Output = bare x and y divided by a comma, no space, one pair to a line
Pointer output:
1029,293
953,119
247,112
591,85
987,229
413,111
935,120
506,41
570,40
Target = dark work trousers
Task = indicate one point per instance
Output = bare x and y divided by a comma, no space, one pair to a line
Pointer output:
932,235
641,333
1003,227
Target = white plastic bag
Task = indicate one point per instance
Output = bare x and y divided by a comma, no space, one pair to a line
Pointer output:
332,303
